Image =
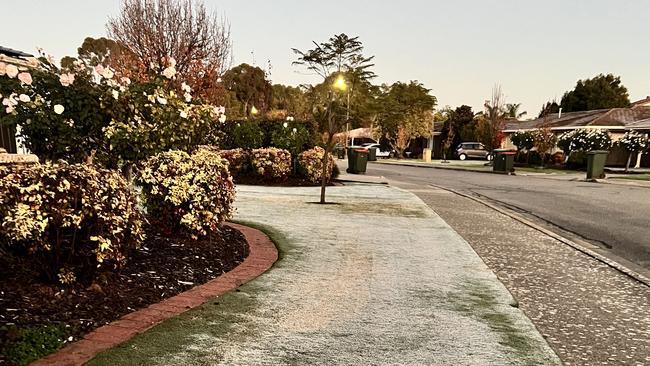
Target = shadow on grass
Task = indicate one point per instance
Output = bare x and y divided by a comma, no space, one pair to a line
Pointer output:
478,301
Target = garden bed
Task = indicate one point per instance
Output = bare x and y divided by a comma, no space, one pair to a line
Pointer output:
291,181
34,314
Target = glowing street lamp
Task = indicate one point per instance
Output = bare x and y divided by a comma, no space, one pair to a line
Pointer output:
340,83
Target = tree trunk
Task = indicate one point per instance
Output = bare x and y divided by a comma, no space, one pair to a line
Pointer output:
324,172
629,160
127,172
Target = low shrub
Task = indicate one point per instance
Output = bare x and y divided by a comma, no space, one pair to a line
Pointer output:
30,344
194,193
310,164
71,219
271,163
239,161
577,161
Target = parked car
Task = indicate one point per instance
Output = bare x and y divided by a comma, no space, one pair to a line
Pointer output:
380,153
472,150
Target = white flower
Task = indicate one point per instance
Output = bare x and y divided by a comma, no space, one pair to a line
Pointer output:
186,88
161,100
188,97
125,81
116,94
285,125
169,72
66,79
10,101
108,73
24,98
58,109
222,118
25,78
183,114
12,71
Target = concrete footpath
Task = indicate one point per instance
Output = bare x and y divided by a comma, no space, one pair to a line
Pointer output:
376,279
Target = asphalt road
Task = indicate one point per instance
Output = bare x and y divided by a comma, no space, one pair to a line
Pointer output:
612,217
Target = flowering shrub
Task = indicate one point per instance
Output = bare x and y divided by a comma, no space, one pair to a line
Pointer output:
634,142
70,219
311,164
291,136
523,140
83,111
271,163
584,140
191,192
239,161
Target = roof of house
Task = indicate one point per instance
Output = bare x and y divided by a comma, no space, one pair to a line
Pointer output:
642,102
643,124
609,118
13,53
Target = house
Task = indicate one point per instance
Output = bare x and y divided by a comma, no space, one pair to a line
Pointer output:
616,121
642,103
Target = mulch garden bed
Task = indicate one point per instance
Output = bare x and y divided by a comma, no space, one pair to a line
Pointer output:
162,268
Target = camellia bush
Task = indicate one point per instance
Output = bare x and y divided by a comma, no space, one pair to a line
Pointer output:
193,193
239,161
584,140
271,163
310,164
291,136
634,143
70,219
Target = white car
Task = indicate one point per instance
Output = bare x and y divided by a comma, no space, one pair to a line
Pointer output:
380,152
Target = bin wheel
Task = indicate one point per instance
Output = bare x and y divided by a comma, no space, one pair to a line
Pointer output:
490,157
462,157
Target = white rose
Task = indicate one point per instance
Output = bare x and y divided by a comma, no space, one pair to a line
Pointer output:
222,118
116,94
108,73
58,109
12,71
161,100
183,114
169,72
24,98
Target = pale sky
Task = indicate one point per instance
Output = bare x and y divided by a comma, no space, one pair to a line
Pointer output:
536,50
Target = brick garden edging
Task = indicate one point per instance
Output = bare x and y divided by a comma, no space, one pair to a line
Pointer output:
263,254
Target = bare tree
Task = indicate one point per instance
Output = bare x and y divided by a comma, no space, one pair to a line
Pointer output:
157,30
490,128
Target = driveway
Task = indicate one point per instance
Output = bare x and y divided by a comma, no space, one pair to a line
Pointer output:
376,279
